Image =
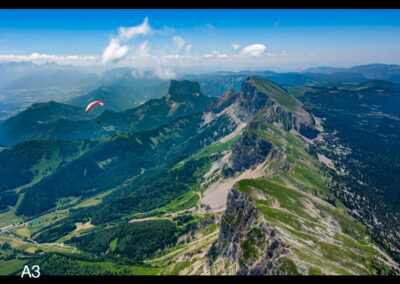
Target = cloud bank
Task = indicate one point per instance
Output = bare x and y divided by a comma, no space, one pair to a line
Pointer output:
38,58
125,50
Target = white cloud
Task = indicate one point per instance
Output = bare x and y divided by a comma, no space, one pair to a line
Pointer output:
165,31
235,46
178,42
163,72
212,54
163,63
125,34
173,56
143,50
38,58
114,51
255,50
215,54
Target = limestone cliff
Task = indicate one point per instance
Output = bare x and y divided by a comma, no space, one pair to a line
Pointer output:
249,151
247,239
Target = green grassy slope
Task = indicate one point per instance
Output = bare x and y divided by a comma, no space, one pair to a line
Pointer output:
323,237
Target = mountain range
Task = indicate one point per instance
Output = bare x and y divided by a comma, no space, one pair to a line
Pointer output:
263,179
38,121
26,83
370,71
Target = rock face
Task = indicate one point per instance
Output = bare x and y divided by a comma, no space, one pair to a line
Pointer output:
262,101
247,239
259,102
252,99
226,100
249,151
287,121
269,103
182,91
245,104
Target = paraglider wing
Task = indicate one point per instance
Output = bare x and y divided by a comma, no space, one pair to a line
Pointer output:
92,104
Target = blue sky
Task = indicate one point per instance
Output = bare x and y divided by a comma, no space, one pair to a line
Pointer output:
202,39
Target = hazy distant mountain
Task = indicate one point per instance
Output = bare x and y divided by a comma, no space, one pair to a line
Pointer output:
371,71
27,75
23,84
336,79
112,75
376,85
379,71
9,72
213,84
325,70
127,88
54,78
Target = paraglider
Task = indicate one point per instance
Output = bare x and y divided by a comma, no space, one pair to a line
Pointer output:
92,104
89,107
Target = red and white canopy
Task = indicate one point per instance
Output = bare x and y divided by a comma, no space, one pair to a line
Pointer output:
92,104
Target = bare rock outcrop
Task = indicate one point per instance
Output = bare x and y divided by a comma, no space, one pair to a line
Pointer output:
247,239
250,150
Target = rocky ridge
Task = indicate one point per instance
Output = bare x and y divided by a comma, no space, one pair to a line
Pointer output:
246,239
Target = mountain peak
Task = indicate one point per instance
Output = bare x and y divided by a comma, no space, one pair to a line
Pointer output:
274,92
263,100
263,84
260,101
180,91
